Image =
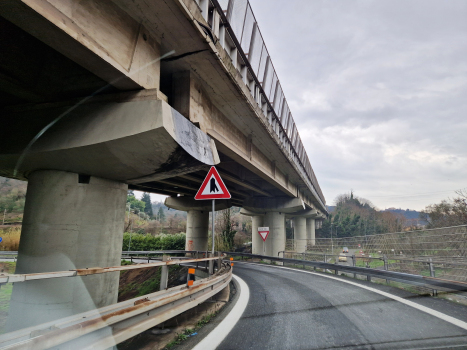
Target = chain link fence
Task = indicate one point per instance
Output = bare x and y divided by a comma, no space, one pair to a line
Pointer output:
440,252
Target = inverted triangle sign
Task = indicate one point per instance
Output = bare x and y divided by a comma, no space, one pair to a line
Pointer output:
213,187
264,235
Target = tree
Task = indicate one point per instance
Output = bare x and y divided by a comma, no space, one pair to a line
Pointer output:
161,214
448,212
146,198
227,233
355,216
135,204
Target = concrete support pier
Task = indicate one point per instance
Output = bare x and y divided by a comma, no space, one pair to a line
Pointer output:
276,239
197,226
300,234
310,230
258,246
70,221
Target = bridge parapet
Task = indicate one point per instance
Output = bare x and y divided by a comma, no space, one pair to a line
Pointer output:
233,24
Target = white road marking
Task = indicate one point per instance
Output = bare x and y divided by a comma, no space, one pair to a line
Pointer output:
425,309
218,334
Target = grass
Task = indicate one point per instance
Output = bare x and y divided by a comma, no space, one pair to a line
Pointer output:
10,238
5,294
185,334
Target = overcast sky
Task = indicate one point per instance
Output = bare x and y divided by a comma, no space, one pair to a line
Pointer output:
378,90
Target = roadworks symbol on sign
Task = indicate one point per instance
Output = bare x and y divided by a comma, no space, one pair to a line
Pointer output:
213,187
263,232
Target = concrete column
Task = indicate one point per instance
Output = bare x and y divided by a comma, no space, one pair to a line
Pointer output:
197,226
310,230
258,246
300,237
276,239
70,222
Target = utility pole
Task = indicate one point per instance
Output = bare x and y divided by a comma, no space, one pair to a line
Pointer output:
4,213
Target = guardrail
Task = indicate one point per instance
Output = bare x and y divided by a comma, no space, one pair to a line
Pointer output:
417,280
107,326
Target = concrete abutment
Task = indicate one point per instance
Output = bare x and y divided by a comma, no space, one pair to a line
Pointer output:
70,221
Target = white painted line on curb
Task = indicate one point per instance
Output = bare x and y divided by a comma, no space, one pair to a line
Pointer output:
218,334
429,311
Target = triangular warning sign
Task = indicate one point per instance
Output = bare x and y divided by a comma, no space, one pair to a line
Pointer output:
213,187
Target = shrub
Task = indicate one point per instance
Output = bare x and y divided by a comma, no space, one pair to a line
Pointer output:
140,242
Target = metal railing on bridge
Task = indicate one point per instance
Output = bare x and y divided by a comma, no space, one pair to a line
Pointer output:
234,25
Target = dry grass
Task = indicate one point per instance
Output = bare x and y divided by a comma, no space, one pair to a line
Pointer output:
10,238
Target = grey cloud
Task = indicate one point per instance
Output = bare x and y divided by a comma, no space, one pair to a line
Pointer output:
378,91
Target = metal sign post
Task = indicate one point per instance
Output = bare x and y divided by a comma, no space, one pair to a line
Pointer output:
213,188
213,211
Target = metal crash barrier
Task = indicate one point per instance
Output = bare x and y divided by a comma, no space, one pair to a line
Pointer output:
417,280
107,326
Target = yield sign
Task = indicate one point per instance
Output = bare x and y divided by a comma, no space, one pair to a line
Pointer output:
213,187
263,232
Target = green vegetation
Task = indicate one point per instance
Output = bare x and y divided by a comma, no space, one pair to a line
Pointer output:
161,214
354,216
147,242
146,198
185,334
227,234
134,203
5,293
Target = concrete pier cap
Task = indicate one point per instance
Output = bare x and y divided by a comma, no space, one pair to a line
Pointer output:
275,204
189,203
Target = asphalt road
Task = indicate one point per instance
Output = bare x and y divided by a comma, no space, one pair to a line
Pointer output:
289,309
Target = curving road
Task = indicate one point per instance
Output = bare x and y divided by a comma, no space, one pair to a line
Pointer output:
289,309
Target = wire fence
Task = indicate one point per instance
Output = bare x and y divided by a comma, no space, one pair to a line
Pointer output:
440,252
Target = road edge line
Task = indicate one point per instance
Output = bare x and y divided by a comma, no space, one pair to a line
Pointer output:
440,315
218,334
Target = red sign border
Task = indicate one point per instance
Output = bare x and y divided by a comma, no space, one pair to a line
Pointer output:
265,238
225,195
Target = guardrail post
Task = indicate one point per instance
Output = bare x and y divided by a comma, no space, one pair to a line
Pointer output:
354,263
197,257
386,267
164,274
336,272
219,261
368,277
432,274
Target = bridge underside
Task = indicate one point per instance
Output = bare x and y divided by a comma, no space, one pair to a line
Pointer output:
100,97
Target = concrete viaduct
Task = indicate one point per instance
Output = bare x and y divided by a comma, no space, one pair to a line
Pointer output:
98,97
